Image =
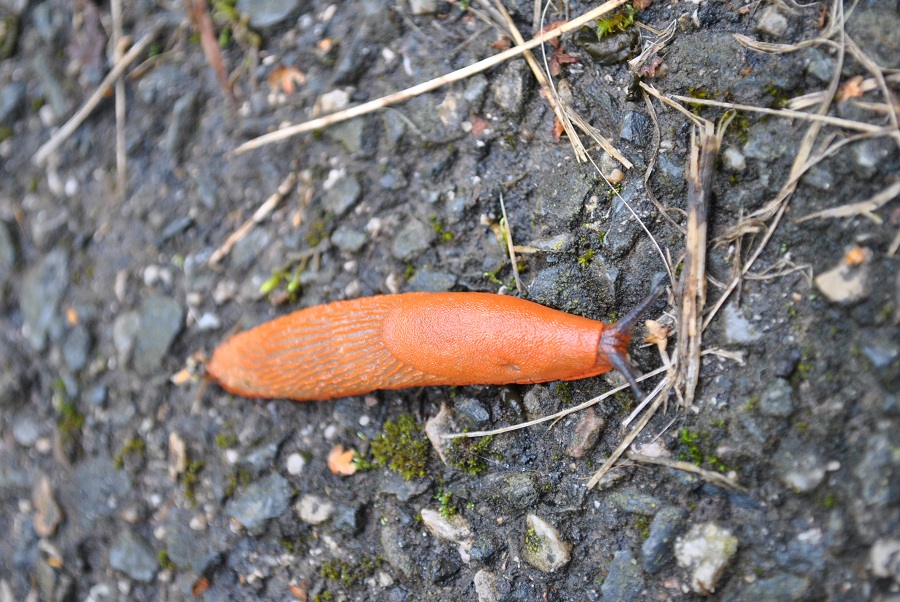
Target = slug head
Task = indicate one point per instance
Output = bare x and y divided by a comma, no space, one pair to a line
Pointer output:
615,338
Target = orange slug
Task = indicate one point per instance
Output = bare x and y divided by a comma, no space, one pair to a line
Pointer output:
419,339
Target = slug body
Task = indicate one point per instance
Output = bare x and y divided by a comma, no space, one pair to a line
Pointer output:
417,339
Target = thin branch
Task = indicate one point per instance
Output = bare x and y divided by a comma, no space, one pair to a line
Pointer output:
713,477
63,133
121,150
509,246
865,208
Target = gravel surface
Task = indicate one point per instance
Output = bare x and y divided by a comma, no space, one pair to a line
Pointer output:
118,482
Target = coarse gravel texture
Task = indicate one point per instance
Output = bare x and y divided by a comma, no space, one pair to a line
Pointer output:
118,484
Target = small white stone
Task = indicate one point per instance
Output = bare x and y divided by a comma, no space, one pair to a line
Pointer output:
364,420
314,510
231,456
198,523
295,464
706,549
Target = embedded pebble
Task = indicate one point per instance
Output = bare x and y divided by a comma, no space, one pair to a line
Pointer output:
544,548
183,127
472,409
777,400
295,464
265,499
209,321
267,13
733,160
585,434
348,240
485,583
738,330
43,287
509,87
705,550
77,348
453,528
878,472
798,466
635,127
131,555
412,240
25,431
314,510
633,501
845,284
429,281
783,587
342,194
624,581
656,549
772,23
884,556
47,513
161,319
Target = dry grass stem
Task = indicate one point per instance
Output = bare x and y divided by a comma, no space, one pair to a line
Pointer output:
121,150
653,47
510,247
391,99
716,478
259,215
556,416
198,12
813,98
63,133
865,208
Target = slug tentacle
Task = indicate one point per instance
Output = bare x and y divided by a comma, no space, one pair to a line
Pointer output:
615,338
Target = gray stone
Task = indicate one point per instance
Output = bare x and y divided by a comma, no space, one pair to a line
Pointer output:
162,318
585,434
25,431
738,330
77,348
9,250
261,457
885,359
544,548
412,240
12,101
394,547
878,472
267,13
264,499
780,588
429,281
125,329
624,581
455,529
819,65
349,240
504,491
537,400
766,141
188,549
485,584
561,194
96,490
610,49
884,556
314,509
845,284
394,484
656,551
635,126
799,467
472,409
633,501
509,88
342,195
349,134
818,177
131,555
183,127
670,172
623,229
772,23
42,289
869,156
777,400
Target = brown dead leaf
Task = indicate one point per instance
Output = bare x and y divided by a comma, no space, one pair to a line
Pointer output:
549,27
657,334
857,256
286,78
655,66
852,88
558,129
504,43
640,5
200,586
340,462
299,592
559,58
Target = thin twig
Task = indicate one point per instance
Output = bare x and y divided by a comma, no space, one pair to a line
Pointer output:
259,215
865,208
713,477
63,133
509,246
121,150
428,86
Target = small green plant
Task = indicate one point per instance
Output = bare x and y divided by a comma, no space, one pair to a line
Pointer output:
620,21
135,446
402,447
438,227
585,260
226,440
643,526
165,562
190,479
468,454
447,509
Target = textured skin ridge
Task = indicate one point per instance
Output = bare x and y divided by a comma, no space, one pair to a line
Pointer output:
408,340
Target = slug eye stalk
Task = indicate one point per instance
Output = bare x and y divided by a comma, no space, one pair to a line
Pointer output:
614,342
